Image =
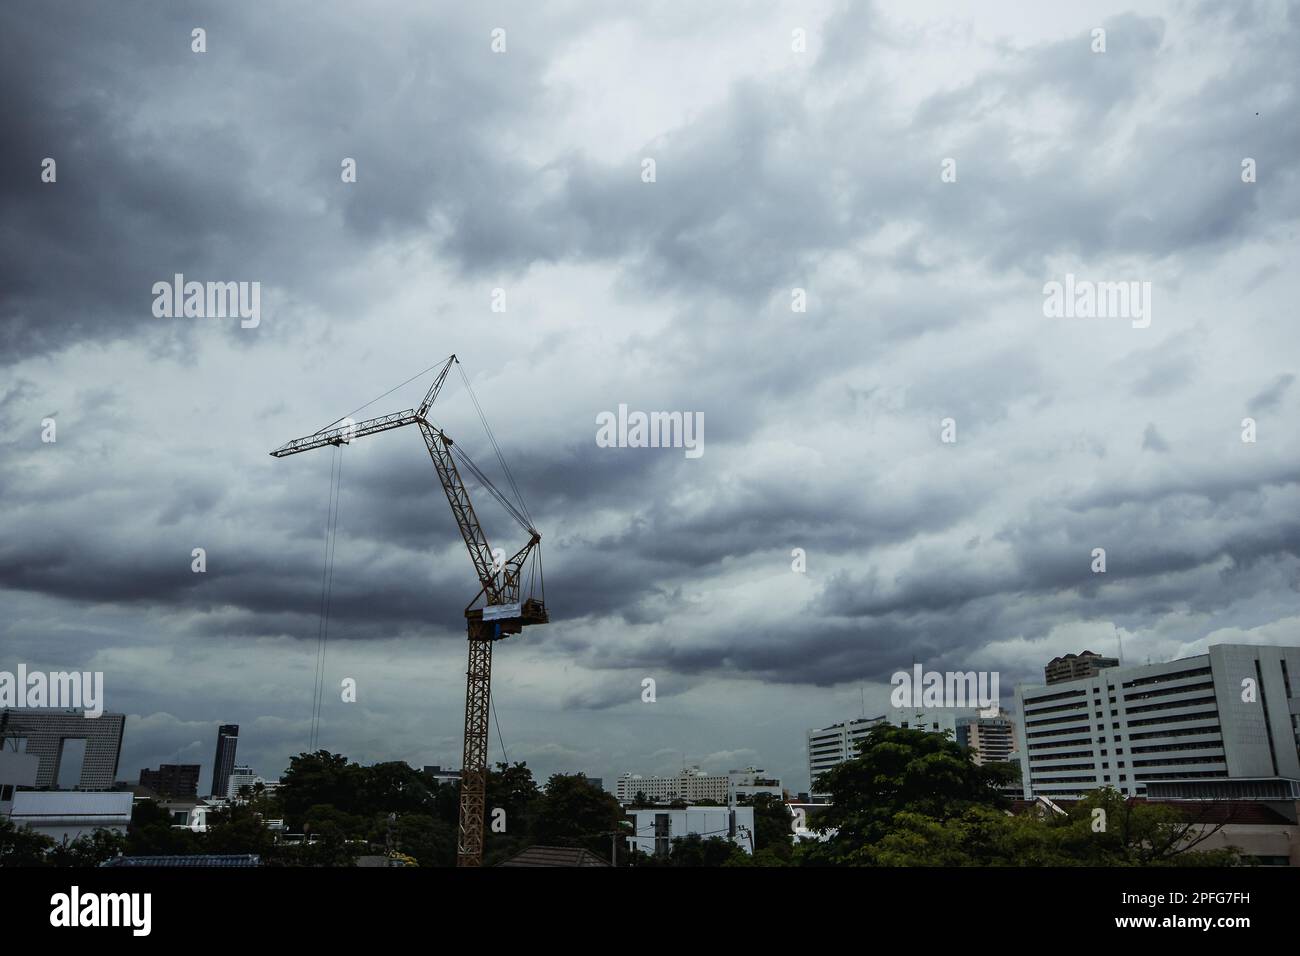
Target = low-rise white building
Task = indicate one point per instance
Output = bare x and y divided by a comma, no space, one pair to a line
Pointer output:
744,785
654,830
244,777
66,815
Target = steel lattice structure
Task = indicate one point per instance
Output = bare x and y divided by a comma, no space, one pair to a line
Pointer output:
501,614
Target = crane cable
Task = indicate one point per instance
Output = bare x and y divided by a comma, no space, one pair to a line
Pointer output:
491,489
521,513
501,740
378,397
327,593
495,446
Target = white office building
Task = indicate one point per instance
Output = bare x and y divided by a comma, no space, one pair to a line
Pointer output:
691,785
744,785
244,777
654,830
830,746
1222,724
66,815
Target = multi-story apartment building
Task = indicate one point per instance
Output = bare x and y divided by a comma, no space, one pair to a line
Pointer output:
172,779
691,785
1225,723
1074,666
991,739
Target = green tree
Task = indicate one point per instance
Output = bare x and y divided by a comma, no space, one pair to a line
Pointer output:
238,829
897,771
572,812
915,799
1106,828
320,779
773,826
697,850
90,849
20,846
153,833
394,787
431,841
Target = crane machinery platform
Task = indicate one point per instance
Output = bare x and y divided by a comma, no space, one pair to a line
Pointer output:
501,607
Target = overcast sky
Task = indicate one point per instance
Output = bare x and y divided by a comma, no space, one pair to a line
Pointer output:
522,170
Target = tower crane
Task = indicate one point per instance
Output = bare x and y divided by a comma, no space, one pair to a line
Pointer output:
495,612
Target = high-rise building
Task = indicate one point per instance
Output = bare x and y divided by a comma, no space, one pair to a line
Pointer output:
45,732
172,779
830,746
1074,666
991,739
223,765
1225,723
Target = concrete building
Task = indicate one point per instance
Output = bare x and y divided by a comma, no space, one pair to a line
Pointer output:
441,776
17,771
744,785
691,785
1225,723
933,720
68,814
1075,666
991,739
830,746
172,779
223,764
654,830
46,733
244,777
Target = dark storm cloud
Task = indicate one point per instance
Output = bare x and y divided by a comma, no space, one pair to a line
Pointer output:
226,165
821,427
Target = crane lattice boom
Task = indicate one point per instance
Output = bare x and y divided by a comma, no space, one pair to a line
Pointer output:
502,613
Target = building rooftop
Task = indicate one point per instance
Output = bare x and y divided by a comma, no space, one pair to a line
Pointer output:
555,856
72,803
197,859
